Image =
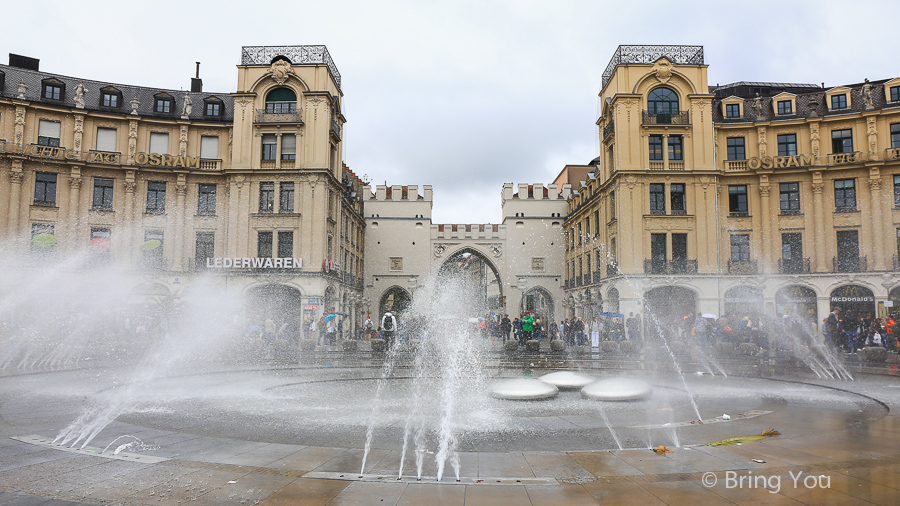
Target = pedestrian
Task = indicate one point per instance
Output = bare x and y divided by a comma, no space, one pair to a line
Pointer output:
505,326
269,329
369,326
832,329
388,327
596,327
633,325
579,331
330,330
527,327
538,329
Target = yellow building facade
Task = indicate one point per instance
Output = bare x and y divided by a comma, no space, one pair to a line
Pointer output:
748,198
245,187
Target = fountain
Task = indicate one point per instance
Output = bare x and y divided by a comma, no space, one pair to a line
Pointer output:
118,383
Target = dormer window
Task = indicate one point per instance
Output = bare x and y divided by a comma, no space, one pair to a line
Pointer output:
732,110
110,97
213,107
839,101
895,93
785,107
53,89
163,103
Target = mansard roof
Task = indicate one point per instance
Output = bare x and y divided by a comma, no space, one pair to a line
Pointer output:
33,79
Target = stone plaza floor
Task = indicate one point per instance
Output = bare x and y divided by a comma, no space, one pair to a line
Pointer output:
827,453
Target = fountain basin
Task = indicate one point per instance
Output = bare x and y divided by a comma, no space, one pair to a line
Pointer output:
565,380
523,389
617,389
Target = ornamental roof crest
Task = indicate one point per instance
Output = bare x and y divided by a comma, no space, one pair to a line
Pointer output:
281,71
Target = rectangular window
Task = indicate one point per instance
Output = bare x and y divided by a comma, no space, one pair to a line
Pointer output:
205,249
789,195
657,198
267,197
44,189
792,253
845,194
99,246
847,251
43,242
737,199
677,200
281,107
895,93
732,110
839,101
895,135
285,244
264,244
735,148
52,91
286,198
206,199
48,133
787,145
106,139
612,205
656,147
288,147
269,146
213,108
152,250
679,247
597,223
156,197
896,191
209,147
740,247
103,193
658,253
675,147
785,107
842,141
159,143
163,105
110,100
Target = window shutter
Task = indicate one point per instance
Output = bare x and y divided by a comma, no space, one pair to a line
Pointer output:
48,129
209,147
106,139
289,144
159,143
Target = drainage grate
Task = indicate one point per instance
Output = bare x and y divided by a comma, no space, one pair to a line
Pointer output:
89,450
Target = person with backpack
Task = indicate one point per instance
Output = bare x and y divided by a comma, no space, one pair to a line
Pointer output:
388,327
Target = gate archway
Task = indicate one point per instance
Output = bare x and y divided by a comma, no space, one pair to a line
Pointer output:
539,301
396,299
476,279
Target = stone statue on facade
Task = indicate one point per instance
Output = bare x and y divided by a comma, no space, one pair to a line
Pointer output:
758,109
135,103
867,95
187,105
22,88
80,90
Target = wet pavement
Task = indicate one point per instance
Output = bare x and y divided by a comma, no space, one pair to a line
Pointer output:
839,444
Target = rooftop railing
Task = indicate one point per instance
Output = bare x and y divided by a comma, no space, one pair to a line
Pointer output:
648,54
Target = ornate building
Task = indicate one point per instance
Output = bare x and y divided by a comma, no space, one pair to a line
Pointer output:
766,198
246,186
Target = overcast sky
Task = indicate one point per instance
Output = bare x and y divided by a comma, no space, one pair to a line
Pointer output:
462,95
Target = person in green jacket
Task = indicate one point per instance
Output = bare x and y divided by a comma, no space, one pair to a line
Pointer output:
527,326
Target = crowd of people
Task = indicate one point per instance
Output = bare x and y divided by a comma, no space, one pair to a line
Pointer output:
849,333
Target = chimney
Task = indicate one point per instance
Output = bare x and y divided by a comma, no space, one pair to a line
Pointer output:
196,82
24,62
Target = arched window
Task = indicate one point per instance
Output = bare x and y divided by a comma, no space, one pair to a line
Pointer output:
280,101
662,101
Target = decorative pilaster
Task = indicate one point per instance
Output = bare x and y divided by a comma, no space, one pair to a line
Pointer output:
130,222
20,124
132,136
814,137
818,188
872,134
16,176
765,226
178,253
183,140
79,130
879,254
75,184
761,140
278,151
665,153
